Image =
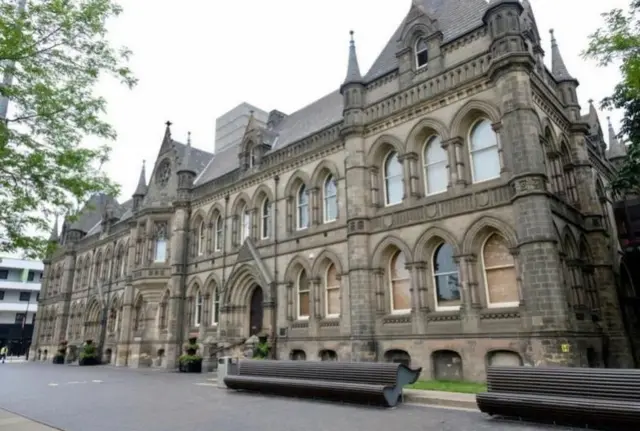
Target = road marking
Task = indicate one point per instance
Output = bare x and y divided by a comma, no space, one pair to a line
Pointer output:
96,381
205,384
75,383
53,384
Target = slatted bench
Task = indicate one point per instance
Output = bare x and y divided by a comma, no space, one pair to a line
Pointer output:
354,382
592,397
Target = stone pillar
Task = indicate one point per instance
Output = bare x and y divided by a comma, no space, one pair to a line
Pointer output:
543,292
126,323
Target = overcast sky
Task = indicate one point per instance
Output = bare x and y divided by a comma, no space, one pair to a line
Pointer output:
197,59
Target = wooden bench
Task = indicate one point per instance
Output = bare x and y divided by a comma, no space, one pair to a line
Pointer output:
356,382
592,397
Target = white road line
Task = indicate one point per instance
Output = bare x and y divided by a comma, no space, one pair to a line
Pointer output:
205,384
96,381
53,384
75,383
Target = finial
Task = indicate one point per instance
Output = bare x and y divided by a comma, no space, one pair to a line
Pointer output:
144,162
351,34
590,101
168,123
251,111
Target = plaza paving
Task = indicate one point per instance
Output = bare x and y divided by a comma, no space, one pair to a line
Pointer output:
74,398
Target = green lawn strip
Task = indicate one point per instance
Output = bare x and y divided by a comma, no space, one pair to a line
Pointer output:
448,386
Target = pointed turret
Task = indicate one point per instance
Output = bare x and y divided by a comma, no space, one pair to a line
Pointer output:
617,150
558,68
352,91
353,69
167,142
567,84
54,237
141,189
186,173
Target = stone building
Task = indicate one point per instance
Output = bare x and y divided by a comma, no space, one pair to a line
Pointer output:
446,208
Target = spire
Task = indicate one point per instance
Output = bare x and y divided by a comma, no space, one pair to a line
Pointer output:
558,67
167,142
353,69
141,189
186,160
54,231
616,149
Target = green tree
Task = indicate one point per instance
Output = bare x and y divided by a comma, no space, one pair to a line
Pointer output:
55,51
618,42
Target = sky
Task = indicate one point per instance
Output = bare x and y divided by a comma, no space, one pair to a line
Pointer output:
197,59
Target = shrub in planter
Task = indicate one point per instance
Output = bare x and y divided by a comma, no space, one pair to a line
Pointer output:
190,362
89,354
61,354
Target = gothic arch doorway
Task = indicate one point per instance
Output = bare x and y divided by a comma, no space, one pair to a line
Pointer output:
256,310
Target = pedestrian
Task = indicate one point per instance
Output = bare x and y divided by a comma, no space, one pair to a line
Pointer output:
3,353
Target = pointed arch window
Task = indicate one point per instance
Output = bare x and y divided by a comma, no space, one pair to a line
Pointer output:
302,208
202,241
265,219
332,292
245,230
304,295
197,315
501,283
330,199
217,240
446,278
399,283
483,147
215,311
393,180
422,53
434,159
160,252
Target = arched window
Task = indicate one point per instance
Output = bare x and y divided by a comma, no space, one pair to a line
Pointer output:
446,279
399,284
483,146
197,315
569,178
245,229
330,198
422,53
161,243
304,297
202,231
332,291
265,219
393,180
499,273
302,206
219,233
215,311
434,159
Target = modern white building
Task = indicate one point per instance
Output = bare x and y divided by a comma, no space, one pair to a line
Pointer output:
19,291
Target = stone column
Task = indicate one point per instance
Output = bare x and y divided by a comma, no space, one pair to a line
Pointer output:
418,322
124,339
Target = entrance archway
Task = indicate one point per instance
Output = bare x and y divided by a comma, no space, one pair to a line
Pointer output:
256,310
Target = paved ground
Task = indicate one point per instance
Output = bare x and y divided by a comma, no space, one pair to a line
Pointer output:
74,398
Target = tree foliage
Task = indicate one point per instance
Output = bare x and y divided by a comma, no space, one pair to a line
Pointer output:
56,51
618,42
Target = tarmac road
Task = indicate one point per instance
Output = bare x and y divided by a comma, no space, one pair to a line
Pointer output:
73,398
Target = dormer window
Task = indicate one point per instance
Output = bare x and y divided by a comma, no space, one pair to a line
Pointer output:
252,157
422,53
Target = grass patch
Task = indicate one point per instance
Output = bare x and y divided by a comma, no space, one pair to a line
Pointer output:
448,386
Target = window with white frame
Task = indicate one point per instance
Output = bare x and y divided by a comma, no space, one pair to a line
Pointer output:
422,53
330,198
215,310
446,278
434,159
302,208
265,219
393,180
500,277
304,295
218,234
245,229
483,147
332,292
399,283
160,254
197,315
202,241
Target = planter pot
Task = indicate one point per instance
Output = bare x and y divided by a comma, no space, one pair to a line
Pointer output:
191,367
88,361
58,360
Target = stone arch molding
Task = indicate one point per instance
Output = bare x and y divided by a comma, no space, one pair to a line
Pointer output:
258,196
297,176
290,273
470,244
476,105
433,234
320,263
379,251
320,172
379,149
240,283
417,136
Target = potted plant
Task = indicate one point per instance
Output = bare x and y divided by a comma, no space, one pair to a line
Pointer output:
58,358
262,348
190,362
89,355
